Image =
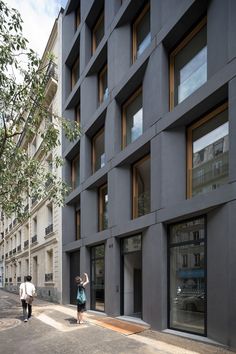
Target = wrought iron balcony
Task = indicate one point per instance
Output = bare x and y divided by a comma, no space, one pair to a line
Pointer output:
49,229
49,277
34,239
26,243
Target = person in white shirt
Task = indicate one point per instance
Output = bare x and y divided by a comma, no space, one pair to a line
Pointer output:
27,288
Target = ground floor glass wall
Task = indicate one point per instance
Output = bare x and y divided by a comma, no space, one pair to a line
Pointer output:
97,278
187,276
132,276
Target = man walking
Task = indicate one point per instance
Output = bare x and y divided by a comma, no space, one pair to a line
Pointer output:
27,292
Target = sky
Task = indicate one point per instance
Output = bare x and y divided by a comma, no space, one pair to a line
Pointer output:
38,17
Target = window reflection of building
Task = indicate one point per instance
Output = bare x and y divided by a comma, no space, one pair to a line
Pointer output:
208,146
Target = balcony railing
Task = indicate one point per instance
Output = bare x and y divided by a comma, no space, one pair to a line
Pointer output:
19,248
34,239
26,243
14,250
49,277
49,229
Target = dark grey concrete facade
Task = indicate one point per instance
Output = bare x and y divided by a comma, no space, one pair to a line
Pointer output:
164,137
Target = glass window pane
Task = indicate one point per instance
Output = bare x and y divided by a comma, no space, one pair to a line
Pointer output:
132,244
190,66
76,173
98,32
134,119
143,33
187,279
210,154
142,188
188,231
99,153
104,208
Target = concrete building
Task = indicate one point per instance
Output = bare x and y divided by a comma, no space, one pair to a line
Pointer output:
34,245
153,86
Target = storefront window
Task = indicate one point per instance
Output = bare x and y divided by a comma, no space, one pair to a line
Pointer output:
187,285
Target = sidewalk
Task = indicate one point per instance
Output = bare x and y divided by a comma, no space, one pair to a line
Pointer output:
62,319
158,340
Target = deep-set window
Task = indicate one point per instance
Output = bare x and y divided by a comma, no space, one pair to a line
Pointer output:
77,223
77,113
187,276
102,85
141,32
75,72
208,152
98,151
97,32
141,187
77,17
76,172
103,208
132,118
188,65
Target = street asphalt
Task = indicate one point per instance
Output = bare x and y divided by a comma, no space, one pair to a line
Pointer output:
53,329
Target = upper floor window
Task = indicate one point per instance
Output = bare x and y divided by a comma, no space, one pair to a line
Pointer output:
132,118
141,32
76,172
77,113
102,85
97,32
78,226
208,152
188,65
75,72
103,208
141,187
98,152
77,17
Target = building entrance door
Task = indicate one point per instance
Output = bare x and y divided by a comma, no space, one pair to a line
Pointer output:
131,271
97,278
74,271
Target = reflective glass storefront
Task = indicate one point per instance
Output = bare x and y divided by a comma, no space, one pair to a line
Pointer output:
98,278
187,276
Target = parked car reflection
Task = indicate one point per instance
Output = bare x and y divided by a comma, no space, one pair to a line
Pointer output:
194,303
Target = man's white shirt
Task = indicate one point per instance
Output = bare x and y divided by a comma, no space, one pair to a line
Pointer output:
29,287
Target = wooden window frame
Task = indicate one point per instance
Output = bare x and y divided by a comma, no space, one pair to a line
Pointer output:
73,68
173,54
101,131
100,84
77,113
190,129
98,22
77,18
78,222
124,116
134,31
100,207
135,185
73,173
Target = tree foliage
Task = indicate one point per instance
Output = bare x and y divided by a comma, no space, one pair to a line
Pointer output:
24,114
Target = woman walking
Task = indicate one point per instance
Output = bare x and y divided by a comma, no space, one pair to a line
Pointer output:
81,297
